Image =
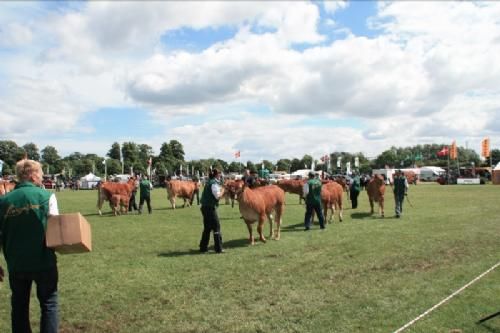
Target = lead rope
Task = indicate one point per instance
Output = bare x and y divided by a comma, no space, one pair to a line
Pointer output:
446,299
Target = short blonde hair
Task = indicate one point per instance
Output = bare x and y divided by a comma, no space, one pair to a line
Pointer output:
25,168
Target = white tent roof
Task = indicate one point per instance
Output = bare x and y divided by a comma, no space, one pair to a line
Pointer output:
497,167
91,178
433,168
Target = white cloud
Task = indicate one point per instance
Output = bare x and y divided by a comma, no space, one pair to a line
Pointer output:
431,75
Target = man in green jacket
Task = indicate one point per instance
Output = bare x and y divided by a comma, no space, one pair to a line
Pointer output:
354,190
210,196
23,222
145,194
312,193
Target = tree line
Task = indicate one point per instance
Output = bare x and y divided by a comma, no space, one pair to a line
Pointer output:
130,157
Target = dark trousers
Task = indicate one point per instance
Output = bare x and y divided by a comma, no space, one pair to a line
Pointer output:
131,204
399,199
319,213
197,195
46,292
210,223
146,198
354,198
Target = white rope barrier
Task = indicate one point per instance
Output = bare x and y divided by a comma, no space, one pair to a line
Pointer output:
446,299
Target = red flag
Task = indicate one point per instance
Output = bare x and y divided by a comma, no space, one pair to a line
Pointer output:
443,152
237,154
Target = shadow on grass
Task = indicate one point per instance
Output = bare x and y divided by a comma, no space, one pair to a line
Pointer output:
361,215
226,245
293,227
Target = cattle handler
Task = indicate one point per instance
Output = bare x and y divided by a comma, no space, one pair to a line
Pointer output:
210,196
312,193
400,191
145,194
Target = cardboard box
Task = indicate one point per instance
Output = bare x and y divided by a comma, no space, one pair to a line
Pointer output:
69,233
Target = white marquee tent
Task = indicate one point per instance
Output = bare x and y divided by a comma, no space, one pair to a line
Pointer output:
89,181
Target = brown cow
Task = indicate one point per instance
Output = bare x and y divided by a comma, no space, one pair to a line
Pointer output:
6,186
259,203
295,186
376,191
106,190
331,198
182,189
230,191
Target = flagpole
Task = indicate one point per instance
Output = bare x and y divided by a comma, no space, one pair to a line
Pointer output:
448,176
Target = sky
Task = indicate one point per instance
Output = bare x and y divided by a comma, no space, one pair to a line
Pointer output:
269,79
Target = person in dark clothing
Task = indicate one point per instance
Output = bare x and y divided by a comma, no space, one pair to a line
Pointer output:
24,214
312,193
196,192
354,190
210,196
145,188
132,205
400,190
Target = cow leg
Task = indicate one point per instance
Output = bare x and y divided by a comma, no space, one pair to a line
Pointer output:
371,206
270,220
340,208
381,208
172,202
332,211
250,232
260,226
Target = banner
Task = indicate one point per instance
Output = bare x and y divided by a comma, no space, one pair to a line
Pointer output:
453,150
348,168
338,161
1,167
443,152
485,148
356,162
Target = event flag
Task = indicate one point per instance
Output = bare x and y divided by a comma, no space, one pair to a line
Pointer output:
1,167
443,152
237,154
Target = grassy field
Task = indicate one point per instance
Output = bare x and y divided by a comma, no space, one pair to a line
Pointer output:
365,274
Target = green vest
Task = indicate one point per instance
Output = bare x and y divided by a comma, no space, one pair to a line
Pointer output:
23,221
399,186
356,184
314,195
145,188
207,197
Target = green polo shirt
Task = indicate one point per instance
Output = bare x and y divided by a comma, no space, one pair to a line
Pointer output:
23,222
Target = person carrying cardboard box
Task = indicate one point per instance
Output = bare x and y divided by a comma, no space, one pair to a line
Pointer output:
23,221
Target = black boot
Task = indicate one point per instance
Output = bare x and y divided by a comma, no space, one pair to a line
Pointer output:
218,242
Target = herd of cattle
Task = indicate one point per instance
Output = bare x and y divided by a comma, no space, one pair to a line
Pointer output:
256,204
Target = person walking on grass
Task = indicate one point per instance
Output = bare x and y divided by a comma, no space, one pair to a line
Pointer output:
400,190
145,188
210,196
312,193
354,190
23,220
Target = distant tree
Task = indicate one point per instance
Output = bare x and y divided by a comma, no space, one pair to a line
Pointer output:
130,153
10,153
306,161
165,152
115,152
145,152
495,157
283,164
50,155
251,166
176,150
296,164
32,151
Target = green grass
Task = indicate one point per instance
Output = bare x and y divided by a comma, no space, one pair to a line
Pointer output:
365,274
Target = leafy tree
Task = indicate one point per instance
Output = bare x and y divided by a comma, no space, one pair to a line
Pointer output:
283,164
296,164
50,155
115,152
235,167
32,151
10,153
130,153
165,152
495,157
145,152
176,150
306,162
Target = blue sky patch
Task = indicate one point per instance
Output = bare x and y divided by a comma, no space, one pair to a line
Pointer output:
196,40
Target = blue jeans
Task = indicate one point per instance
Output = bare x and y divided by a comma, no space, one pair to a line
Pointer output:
46,292
319,212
